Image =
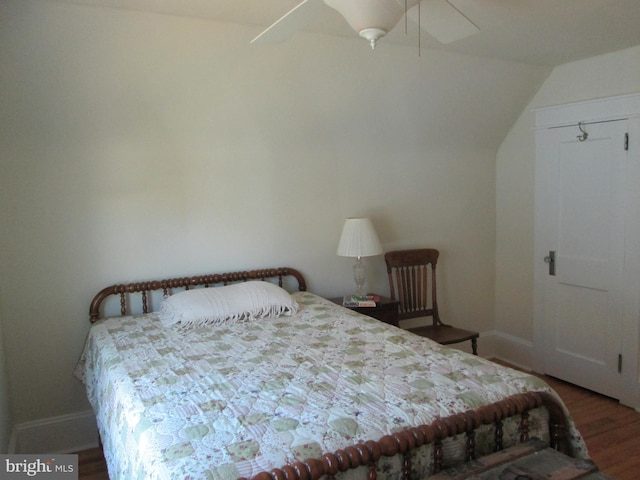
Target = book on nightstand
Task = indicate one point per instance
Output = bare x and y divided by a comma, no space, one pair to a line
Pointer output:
360,300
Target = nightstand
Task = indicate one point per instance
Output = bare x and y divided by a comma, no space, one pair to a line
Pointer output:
386,310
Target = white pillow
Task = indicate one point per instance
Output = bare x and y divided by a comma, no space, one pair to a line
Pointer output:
217,305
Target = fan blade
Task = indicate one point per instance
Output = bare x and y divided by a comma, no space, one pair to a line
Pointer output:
296,19
442,20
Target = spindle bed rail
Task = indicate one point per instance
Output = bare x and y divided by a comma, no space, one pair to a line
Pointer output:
168,285
404,442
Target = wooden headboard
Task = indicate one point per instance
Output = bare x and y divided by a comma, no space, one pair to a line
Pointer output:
167,286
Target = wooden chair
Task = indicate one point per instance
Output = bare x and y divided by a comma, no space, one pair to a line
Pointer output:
408,272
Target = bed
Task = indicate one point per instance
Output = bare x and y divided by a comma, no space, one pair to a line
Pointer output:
299,389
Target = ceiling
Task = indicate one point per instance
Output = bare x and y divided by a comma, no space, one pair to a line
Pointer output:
540,32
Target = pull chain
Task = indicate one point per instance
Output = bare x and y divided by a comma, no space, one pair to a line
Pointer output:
419,31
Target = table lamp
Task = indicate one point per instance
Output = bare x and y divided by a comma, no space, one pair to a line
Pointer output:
359,240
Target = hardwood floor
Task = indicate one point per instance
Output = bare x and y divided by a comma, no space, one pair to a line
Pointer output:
611,431
91,465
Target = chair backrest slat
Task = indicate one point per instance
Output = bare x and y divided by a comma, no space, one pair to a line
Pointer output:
412,281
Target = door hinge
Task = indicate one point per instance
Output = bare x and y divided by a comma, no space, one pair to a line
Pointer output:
626,141
619,363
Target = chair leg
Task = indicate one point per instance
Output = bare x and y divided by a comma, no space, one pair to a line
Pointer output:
474,346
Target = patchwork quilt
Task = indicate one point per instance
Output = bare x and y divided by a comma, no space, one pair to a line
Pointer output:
231,400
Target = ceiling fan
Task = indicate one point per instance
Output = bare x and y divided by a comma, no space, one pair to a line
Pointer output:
373,19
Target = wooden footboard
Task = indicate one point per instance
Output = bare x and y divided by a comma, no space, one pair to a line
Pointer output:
168,285
404,442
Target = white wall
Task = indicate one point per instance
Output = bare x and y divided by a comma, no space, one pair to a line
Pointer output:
607,75
136,146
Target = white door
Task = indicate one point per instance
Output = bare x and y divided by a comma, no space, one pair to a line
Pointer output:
580,223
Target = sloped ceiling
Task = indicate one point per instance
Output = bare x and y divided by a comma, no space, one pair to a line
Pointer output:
538,32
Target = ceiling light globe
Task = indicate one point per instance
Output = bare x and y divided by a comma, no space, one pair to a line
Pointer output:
372,18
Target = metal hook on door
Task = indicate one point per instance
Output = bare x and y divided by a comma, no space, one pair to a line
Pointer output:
584,135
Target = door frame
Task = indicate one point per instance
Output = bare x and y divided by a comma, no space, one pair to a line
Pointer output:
569,115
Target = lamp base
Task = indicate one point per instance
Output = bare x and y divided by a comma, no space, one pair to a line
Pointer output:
359,276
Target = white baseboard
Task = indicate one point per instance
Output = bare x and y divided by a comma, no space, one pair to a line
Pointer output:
502,346
486,347
513,350
63,434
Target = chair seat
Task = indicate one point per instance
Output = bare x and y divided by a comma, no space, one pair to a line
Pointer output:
445,334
